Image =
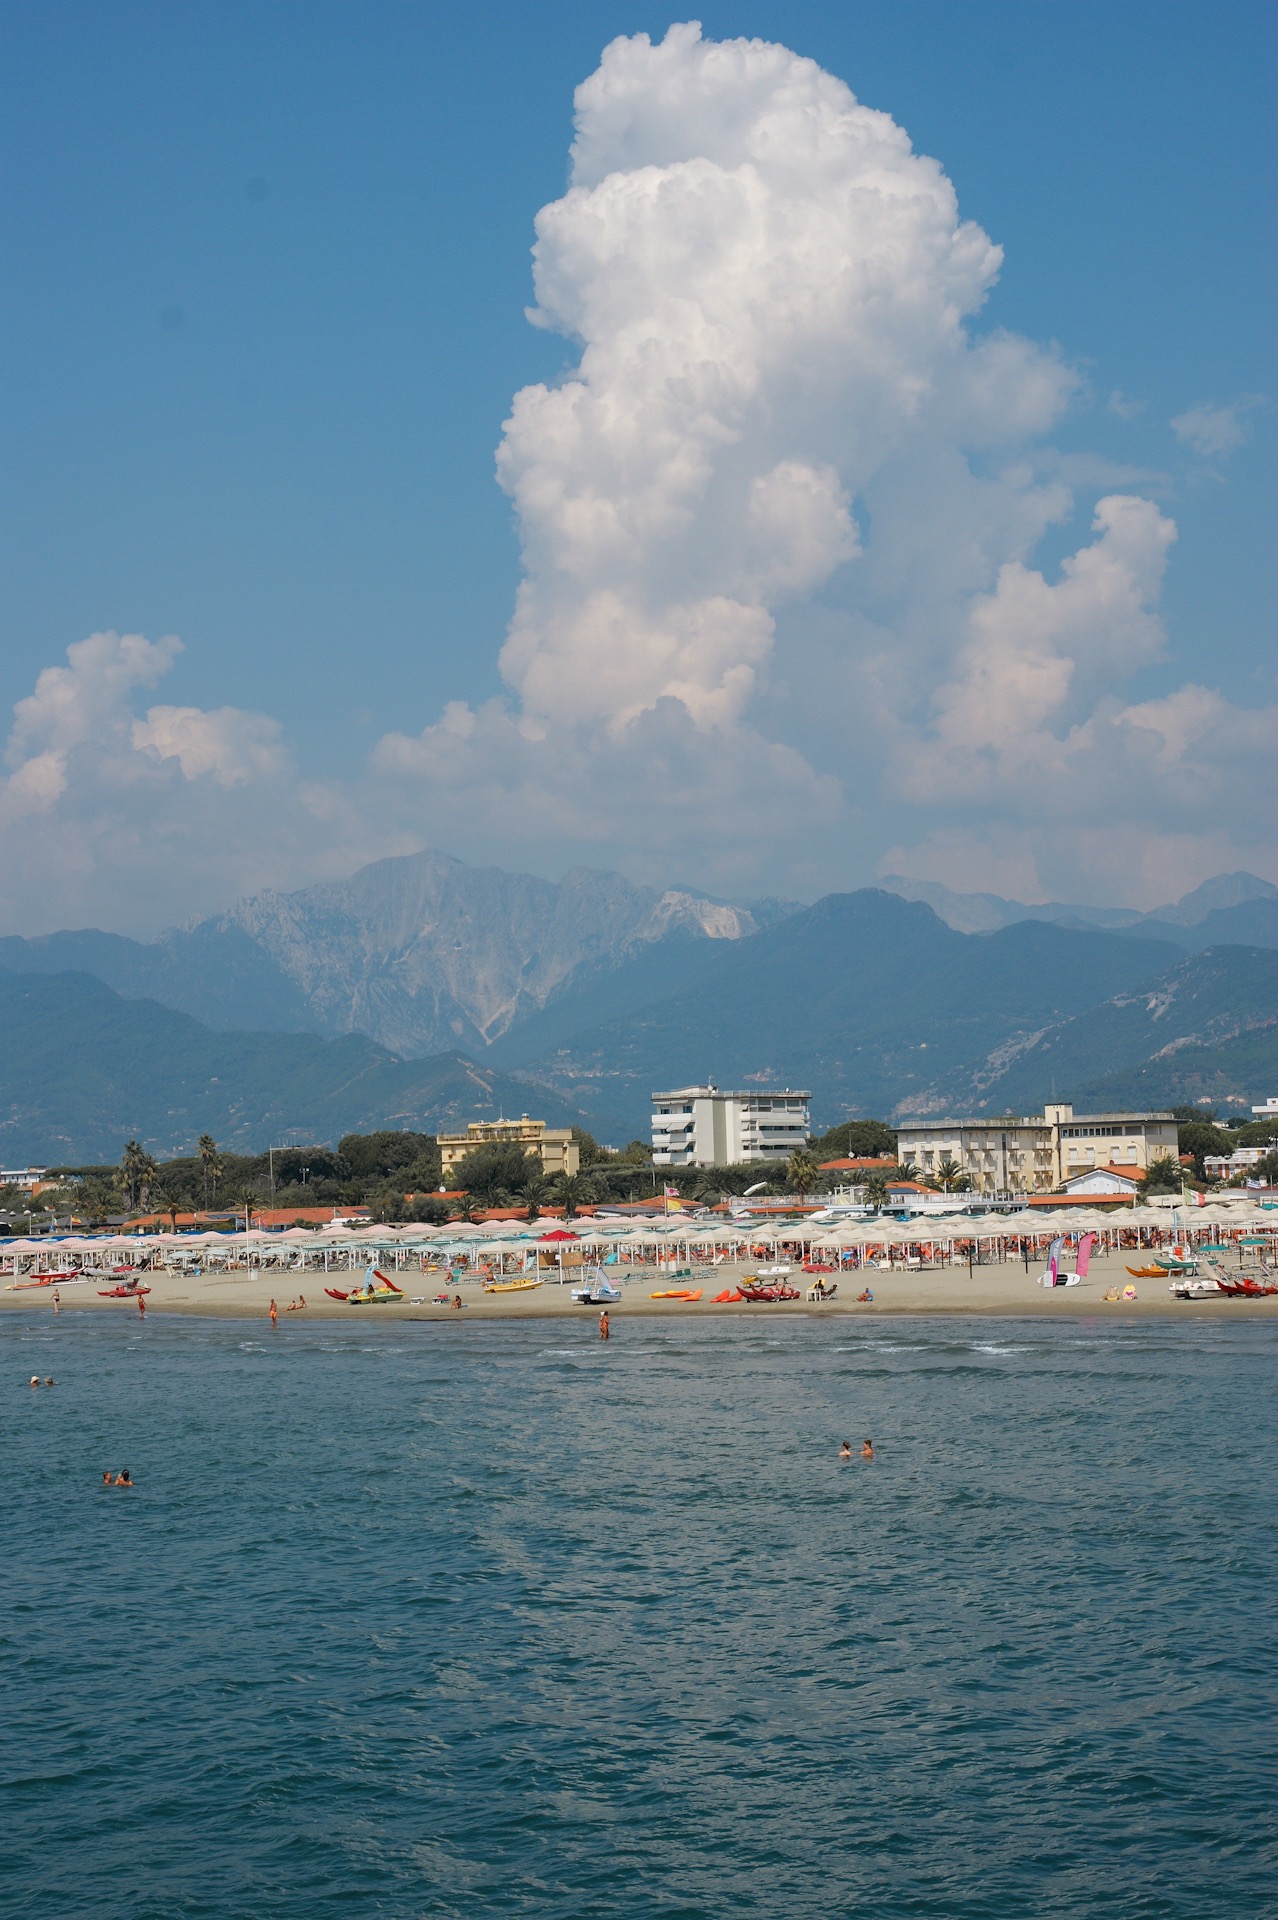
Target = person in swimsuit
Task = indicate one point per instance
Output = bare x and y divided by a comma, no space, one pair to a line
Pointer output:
141,1305
35,1379
122,1478
457,1299
867,1449
845,1451
106,1478
605,1330
57,1301
275,1314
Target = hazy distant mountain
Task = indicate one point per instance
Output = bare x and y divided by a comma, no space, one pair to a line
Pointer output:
1208,1026
1231,907
421,953
870,1001
82,1070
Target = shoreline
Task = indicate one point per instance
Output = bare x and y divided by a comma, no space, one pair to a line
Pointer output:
1003,1290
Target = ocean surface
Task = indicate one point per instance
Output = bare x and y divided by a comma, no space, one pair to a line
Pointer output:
446,1619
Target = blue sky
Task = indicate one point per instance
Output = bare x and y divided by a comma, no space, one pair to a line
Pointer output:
264,319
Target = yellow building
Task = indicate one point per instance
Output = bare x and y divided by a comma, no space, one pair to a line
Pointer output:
554,1146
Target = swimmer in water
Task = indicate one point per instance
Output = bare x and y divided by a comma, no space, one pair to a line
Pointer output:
106,1478
867,1449
48,1380
122,1478
35,1379
845,1451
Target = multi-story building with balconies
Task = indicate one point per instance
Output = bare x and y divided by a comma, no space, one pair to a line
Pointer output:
706,1127
1036,1153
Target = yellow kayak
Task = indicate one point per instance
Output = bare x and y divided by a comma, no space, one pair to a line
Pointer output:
678,1293
512,1286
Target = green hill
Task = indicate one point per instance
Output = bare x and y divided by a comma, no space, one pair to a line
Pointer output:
83,1070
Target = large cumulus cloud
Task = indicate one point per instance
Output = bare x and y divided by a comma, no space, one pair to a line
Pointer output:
778,520
785,613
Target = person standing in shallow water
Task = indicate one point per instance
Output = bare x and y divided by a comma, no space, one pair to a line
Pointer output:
275,1315
605,1329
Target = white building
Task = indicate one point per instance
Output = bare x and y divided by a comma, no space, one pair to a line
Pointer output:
1270,1109
1223,1166
705,1127
1037,1153
27,1179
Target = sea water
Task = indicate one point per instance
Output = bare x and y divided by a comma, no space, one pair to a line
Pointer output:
482,1619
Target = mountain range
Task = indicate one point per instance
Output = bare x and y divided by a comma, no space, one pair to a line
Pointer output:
1232,908
421,952
423,992
82,1070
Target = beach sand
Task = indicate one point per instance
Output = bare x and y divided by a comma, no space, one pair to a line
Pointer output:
993,1289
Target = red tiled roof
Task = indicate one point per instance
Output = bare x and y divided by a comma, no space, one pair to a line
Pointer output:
849,1166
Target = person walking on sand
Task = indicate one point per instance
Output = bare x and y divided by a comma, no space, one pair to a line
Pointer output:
605,1330
275,1315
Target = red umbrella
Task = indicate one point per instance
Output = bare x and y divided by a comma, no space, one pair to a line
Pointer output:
560,1233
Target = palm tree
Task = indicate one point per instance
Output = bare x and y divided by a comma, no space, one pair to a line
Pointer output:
875,1189
949,1175
170,1202
573,1189
801,1172
210,1165
137,1171
248,1200
534,1190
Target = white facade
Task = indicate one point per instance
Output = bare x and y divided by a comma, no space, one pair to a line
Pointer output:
1223,1166
26,1178
1036,1153
1270,1109
705,1127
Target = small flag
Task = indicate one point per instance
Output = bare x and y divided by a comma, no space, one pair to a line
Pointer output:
672,1199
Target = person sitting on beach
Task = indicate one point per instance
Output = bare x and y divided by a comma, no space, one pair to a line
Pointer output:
457,1299
845,1451
1111,1293
123,1478
867,1449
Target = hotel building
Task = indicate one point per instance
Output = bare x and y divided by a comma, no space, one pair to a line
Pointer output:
705,1127
554,1146
1037,1153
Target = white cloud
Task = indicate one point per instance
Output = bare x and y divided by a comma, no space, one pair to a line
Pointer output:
129,819
1214,431
784,598
230,746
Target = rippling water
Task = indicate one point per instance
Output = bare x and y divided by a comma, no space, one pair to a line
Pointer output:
475,1620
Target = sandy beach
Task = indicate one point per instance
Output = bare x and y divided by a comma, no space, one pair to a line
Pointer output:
990,1289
